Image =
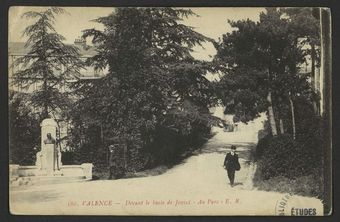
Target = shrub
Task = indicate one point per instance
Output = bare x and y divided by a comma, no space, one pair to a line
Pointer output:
287,165
167,147
305,185
283,156
261,146
24,131
67,157
170,146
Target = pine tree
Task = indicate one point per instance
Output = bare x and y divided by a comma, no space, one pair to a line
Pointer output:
260,65
154,87
306,26
49,62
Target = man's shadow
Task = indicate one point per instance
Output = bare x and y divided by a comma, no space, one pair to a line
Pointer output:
237,184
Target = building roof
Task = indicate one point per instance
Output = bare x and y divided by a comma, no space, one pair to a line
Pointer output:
18,48
85,51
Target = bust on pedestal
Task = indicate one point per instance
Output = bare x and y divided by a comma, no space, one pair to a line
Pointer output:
49,158
48,168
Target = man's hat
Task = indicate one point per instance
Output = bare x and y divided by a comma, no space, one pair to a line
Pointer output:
233,147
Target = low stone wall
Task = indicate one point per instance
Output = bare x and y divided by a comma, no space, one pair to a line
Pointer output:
83,170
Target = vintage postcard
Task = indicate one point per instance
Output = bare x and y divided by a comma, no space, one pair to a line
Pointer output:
170,111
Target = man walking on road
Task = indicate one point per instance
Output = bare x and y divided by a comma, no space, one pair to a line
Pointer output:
231,164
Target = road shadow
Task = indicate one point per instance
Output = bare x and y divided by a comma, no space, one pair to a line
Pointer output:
34,196
244,150
238,184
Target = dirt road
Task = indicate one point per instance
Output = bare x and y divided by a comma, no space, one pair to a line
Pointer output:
198,186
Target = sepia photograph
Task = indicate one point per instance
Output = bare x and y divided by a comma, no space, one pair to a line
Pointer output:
170,111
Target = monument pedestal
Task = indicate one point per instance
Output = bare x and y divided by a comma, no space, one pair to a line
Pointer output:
48,158
48,167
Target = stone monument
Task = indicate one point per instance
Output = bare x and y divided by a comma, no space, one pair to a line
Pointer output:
49,158
48,166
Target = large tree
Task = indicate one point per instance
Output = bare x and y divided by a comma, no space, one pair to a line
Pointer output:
305,23
260,62
48,63
154,87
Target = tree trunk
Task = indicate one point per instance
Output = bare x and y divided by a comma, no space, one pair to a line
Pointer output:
293,117
45,99
44,59
282,130
271,115
125,158
313,53
101,133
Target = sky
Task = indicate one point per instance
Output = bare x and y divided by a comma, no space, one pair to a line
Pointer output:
211,22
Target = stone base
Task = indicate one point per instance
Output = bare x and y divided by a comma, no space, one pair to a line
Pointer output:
22,182
28,174
57,173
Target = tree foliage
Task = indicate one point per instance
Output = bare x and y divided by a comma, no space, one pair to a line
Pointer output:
49,62
154,86
305,23
261,57
23,131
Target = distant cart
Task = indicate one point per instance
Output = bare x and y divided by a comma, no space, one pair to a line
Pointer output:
228,127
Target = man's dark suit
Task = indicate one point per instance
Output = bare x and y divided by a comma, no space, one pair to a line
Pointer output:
231,164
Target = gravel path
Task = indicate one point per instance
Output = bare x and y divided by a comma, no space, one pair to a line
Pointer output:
198,186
